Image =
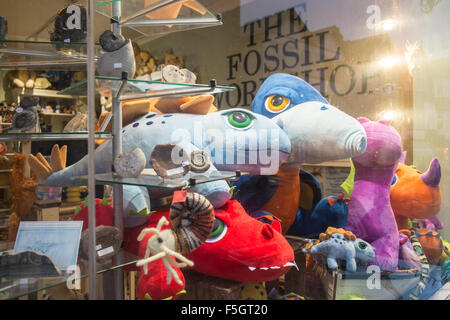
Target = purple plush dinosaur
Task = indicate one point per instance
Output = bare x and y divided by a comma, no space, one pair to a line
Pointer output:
370,215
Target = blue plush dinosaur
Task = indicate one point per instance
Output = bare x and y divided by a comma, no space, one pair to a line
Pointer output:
318,132
329,211
235,139
339,247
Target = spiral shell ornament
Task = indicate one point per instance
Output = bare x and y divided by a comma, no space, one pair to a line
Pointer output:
200,161
192,221
130,164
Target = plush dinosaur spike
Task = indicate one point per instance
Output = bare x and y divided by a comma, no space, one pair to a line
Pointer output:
41,169
56,158
44,161
332,201
132,110
40,166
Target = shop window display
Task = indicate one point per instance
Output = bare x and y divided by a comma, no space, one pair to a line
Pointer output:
288,150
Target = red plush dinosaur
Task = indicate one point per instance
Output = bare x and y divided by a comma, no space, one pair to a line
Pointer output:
239,248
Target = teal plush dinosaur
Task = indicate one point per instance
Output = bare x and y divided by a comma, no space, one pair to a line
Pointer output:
235,139
339,247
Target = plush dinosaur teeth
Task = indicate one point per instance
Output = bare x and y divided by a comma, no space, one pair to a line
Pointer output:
291,264
288,264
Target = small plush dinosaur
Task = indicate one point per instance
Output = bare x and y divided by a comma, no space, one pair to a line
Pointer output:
338,244
331,211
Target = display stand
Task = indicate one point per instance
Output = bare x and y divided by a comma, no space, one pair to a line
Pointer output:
38,55
116,21
92,264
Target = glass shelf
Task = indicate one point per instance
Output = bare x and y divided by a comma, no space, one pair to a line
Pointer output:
146,20
156,182
42,55
139,89
46,93
50,136
16,287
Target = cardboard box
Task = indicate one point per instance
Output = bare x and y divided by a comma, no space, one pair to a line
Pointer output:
203,287
47,210
342,285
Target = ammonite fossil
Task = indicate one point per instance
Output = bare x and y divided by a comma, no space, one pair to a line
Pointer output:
192,221
200,161
130,164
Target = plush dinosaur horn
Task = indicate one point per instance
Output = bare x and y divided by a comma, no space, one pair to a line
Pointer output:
432,176
332,201
387,122
363,119
402,157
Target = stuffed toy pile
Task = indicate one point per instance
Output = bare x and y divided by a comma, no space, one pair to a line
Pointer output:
318,132
266,255
245,240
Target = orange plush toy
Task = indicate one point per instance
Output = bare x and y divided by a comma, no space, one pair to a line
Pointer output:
415,194
23,194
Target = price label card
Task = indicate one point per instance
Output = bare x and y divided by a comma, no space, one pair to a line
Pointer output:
179,196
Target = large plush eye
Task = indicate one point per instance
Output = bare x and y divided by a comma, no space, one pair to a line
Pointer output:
362,245
394,180
276,103
240,119
218,232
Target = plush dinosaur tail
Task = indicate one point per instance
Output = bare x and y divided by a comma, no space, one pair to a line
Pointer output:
425,272
56,174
